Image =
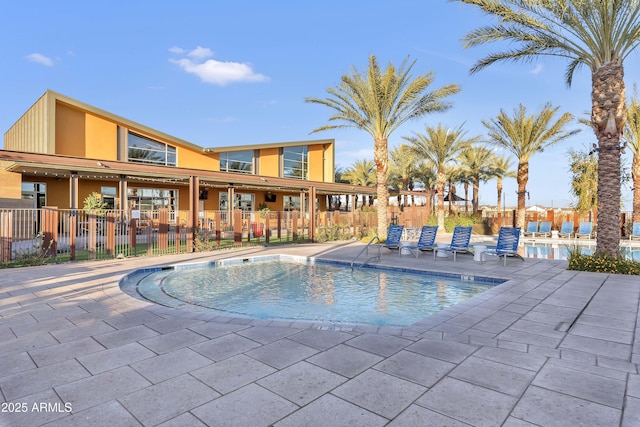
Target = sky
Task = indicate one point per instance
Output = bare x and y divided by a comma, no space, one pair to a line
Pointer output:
220,73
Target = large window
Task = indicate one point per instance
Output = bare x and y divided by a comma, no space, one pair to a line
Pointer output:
237,161
152,199
243,201
145,150
295,162
109,196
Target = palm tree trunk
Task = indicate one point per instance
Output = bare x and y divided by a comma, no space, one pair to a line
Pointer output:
381,159
466,197
441,180
476,189
608,116
635,176
499,188
522,178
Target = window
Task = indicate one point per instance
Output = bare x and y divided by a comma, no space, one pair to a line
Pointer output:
152,199
295,162
109,196
243,201
237,161
145,150
35,191
292,203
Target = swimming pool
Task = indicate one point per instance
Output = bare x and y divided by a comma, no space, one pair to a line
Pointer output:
297,288
545,250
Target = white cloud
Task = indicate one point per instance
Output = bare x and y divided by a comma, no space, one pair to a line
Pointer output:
200,53
217,72
40,59
176,50
537,70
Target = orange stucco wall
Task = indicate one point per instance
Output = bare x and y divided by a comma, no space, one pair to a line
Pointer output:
70,131
101,138
188,158
316,163
84,135
11,184
269,162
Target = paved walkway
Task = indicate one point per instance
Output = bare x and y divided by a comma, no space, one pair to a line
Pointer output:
550,347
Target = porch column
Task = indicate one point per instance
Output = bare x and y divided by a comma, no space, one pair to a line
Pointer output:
123,192
231,194
73,190
312,214
303,210
194,185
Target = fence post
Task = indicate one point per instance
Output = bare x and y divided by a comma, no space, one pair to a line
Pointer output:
163,229
92,231
237,227
50,230
111,233
6,236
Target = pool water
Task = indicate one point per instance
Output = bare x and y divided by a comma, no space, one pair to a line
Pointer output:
561,250
294,288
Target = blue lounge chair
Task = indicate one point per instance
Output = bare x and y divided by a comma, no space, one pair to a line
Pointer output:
394,235
508,239
635,231
566,230
427,240
585,229
532,229
459,242
545,229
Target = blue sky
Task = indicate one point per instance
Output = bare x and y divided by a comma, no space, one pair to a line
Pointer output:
231,73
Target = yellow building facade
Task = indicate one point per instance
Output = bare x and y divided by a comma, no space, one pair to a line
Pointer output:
62,150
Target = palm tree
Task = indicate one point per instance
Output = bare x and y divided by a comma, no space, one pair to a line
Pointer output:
584,180
525,135
426,175
403,164
632,135
360,173
598,34
440,146
477,161
379,102
501,169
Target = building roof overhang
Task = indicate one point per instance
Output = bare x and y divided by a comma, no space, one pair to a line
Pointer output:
34,164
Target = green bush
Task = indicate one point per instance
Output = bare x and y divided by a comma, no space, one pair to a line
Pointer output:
600,263
450,222
332,233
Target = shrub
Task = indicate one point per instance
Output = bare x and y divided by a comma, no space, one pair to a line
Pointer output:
600,263
450,222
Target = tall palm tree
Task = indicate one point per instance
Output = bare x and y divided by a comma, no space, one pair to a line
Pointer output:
632,134
525,135
477,161
440,146
378,102
403,164
598,34
501,169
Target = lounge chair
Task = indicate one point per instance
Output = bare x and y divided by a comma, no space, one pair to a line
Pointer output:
585,230
532,229
427,240
635,231
459,242
545,229
394,235
566,230
508,239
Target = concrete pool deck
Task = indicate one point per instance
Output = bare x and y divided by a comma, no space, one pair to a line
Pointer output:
550,347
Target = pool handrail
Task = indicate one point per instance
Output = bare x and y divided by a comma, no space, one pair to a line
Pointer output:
366,248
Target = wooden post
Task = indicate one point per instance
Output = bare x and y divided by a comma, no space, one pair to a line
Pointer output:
163,229
73,231
6,236
92,231
133,231
237,227
110,236
294,225
50,230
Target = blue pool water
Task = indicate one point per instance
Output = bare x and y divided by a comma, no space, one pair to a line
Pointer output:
561,250
295,288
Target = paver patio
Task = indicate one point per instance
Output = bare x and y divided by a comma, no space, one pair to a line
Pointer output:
548,347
